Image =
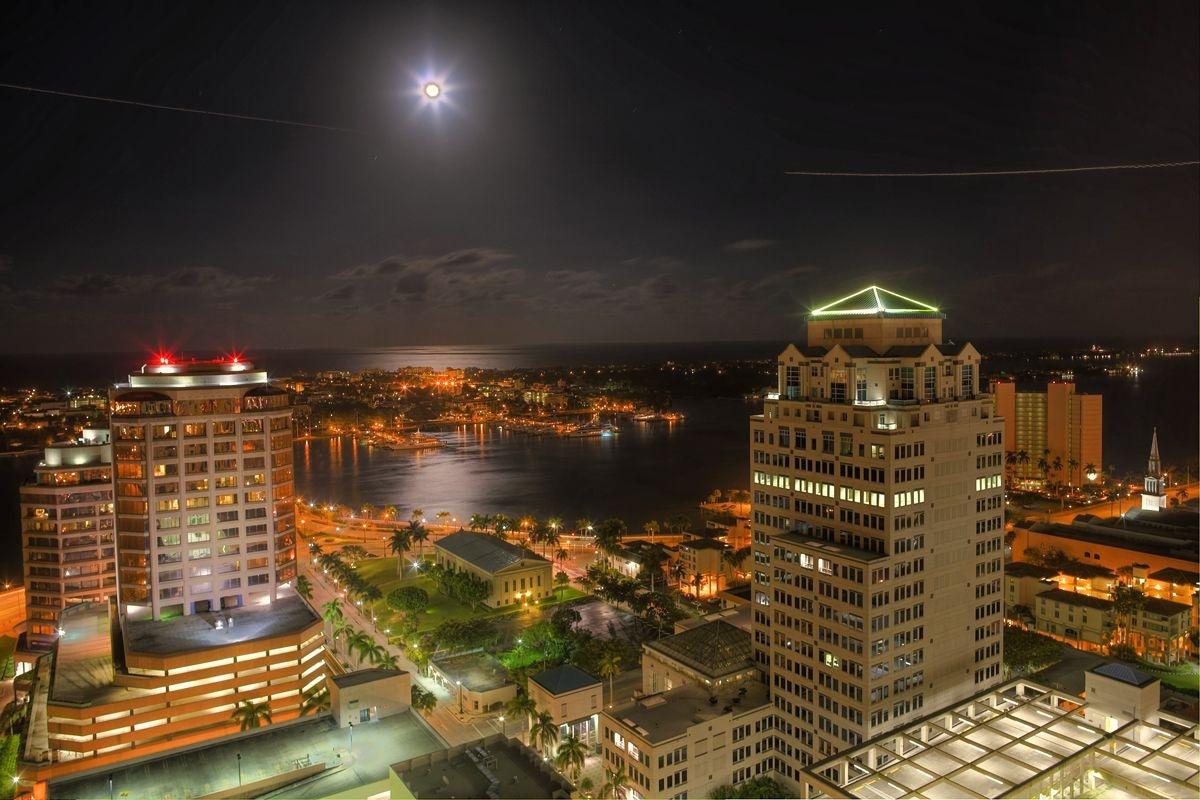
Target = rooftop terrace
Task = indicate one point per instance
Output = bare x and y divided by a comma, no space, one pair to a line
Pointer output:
662,717
289,614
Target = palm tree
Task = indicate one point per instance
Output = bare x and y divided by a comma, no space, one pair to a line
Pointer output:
250,715
418,515
376,653
1072,465
423,700
442,517
479,522
332,611
562,580
697,578
420,534
521,707
368,510
360,644
400,544
315,702
543,733
651,528
561,555
572,752
389,512
678,572
550,539
1089,469
609,667
585,787
615,783
315,550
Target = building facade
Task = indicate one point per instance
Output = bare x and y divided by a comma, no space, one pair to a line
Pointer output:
1059,425
515,574
67,532
205,510
877,516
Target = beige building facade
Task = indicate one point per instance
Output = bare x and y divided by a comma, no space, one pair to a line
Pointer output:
688,741
366,695
205,502
877,517
573,700
517,575
67,532
1059,425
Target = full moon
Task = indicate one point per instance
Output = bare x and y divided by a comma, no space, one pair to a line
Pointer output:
431,90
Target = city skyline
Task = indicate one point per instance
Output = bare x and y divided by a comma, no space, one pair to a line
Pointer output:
591,176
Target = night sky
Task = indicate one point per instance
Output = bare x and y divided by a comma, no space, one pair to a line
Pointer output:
605,171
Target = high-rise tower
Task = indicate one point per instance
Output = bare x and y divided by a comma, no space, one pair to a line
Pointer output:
67,531
205,510
1154,485
877,471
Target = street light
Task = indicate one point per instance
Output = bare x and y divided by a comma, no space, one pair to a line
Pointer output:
503,730
460,697
239,757
432,90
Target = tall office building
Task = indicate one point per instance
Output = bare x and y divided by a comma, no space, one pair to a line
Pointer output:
877,518
67,532
205,509
1060,425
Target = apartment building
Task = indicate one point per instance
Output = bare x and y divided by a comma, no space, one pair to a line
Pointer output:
877,518
67,532
205,509
1059,425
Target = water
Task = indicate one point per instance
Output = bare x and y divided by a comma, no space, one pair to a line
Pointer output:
649,471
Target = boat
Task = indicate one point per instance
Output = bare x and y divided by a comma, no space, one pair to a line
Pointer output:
584,431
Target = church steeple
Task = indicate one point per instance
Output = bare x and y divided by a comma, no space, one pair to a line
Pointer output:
1154,490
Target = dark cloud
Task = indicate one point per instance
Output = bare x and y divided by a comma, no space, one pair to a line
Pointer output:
450,279
206,281
743,245
341,294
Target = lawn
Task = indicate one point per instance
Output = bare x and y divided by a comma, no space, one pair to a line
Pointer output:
1181,677
382,573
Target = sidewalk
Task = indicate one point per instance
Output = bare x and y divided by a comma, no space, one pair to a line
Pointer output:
444,720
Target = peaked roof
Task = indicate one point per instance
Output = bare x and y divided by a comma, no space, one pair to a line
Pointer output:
1124,673
714,649
564,678
1154,468
875,300
489,553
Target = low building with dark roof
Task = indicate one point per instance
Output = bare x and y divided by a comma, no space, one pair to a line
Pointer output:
367,695
714,654
572,698
517,574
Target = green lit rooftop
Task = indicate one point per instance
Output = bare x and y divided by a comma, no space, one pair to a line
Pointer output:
875,301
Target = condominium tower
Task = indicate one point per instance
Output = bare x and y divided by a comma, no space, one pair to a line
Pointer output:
205,510
67,531
877,519
1059,427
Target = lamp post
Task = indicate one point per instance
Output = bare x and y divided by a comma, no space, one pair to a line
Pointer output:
503,730
460,697
351,738
239,760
